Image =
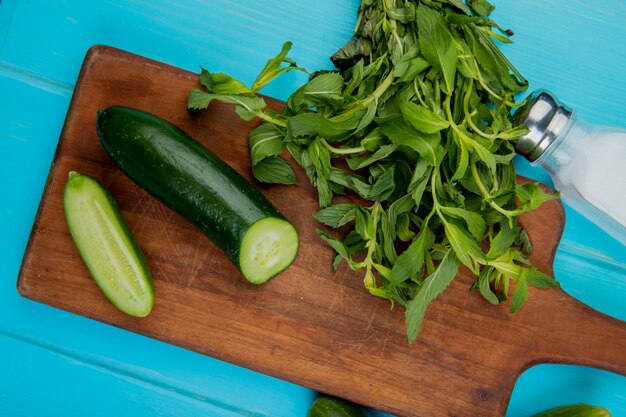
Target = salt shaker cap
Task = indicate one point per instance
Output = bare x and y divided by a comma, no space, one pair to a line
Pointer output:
546,118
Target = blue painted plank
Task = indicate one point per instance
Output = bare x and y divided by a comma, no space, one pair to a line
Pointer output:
573,47
228,36
547,386
33,387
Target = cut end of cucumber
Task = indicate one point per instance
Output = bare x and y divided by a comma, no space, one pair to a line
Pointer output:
269,246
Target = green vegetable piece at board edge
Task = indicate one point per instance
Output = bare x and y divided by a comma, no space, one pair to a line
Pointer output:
325,406
107,246
575,410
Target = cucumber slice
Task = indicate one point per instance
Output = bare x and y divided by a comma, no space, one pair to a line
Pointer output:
107,246
268,247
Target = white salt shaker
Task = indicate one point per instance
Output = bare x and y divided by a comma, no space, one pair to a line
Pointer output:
587,162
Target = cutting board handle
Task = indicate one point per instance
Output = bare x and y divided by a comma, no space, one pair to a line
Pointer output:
563,329
579,335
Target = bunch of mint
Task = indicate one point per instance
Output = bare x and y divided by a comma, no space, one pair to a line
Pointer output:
415,122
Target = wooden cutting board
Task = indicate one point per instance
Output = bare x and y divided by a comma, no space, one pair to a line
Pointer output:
309,325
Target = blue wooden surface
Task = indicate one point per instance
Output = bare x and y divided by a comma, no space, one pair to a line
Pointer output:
54,363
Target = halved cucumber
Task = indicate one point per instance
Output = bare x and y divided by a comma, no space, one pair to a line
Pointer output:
176,169
107,246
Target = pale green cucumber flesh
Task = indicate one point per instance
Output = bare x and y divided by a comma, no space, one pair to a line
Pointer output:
268,247
107,246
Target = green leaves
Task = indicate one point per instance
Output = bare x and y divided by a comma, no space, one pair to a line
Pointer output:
538,279
315,124
484,285
323,91
383,152
531,196
465,247
339,247
520,295
411,261
401,133
481,7
433,285
437,44
274,67
422,118
415,132
474,221
337,215
274,170
247,107
221,83
265,141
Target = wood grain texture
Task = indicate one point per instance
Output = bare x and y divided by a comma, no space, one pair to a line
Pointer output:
308,326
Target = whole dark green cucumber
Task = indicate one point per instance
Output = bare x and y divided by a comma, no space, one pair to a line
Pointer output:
176,169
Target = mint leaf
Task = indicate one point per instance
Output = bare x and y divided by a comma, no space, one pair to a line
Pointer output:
362,161
501,242
520,295
531,196
422,118
315,124
481,7
384,186
462,160
411,261
199,99
484,286
338,246
461,5
507,268
247,107
482,153
474,221
432,287
273,68
465,247
324,89
373,140
350,180
437,45
513,133
538,279
221,83
264,141
401,133
274,170
364,225
320,158
337,215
